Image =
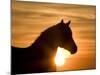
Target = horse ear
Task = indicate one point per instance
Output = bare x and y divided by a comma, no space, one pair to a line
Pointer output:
62,21
68,23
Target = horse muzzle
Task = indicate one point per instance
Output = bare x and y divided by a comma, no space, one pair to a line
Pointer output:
74,50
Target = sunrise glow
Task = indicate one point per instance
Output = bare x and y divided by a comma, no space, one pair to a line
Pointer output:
61,55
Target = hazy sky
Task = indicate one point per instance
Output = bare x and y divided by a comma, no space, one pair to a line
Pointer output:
29,19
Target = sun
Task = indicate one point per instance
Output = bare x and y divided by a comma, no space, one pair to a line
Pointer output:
61,55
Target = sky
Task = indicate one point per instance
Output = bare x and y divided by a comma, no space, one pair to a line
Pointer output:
29,19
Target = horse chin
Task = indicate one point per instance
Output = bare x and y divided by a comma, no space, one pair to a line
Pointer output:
73,51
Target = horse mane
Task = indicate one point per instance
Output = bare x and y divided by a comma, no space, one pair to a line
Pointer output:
43,35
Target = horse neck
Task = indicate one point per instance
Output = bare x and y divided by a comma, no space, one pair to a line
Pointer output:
40,43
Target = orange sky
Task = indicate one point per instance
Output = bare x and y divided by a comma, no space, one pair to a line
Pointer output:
29,19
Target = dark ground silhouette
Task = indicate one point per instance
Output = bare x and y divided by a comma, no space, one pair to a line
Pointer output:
39,57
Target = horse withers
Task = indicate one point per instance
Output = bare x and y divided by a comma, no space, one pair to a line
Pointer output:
39,56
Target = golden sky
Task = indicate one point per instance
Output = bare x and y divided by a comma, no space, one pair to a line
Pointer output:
29,19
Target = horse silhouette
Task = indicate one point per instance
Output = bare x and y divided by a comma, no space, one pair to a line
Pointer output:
39,56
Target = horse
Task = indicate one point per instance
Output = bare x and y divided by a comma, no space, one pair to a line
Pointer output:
39,56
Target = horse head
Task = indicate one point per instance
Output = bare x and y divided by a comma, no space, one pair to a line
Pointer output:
64,37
